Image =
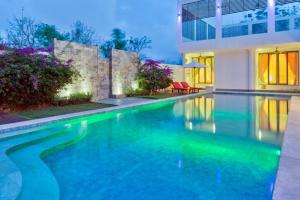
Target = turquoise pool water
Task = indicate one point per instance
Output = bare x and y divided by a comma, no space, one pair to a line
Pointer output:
210,147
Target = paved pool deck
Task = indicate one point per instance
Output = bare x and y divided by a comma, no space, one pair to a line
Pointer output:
287,185
10,118
124,101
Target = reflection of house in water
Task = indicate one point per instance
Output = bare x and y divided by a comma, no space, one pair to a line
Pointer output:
199,114
260,118
272,117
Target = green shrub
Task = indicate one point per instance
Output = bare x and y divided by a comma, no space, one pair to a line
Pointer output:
136,92
152,76
32,77
77,98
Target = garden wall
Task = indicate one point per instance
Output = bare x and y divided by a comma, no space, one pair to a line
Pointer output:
124,67
101,77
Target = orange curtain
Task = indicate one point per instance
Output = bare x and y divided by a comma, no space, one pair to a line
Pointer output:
263,68
293,62
273,69
283,69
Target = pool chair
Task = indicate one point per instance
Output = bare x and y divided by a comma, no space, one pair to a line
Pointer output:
177,86
187,86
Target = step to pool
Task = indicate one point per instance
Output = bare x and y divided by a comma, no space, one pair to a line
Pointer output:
10,175
31,165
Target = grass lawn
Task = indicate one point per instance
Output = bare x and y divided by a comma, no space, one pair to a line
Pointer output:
60,110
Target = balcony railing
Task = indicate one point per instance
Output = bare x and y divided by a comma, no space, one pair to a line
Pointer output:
246,28
197,31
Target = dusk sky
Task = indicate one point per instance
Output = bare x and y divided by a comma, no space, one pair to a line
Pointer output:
153,18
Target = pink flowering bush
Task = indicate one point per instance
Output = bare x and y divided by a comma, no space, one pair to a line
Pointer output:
153,76
32,77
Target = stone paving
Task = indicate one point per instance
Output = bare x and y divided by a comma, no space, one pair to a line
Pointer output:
124,101
10,118
288,177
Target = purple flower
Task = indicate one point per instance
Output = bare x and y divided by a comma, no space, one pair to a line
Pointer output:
26,51
34,81
69,62
153,62
46,50
50,50
2,47
168,71
54,62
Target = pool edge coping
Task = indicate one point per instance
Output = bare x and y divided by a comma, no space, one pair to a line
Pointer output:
6,128
287,185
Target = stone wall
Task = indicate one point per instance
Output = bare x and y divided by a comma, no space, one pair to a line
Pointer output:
103,78
94,72
124,66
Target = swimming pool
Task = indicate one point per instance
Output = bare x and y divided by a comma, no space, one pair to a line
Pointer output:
210,147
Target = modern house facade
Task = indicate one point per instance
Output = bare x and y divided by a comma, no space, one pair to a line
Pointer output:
246,45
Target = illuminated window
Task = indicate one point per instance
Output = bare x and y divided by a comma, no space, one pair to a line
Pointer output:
205,75
293,68
283,79
263,68
272,68
279,68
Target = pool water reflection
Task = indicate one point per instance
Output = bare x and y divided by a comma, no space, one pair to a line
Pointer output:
261,117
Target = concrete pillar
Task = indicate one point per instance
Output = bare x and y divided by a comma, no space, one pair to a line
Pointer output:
252,69
179,23
271,16
218,19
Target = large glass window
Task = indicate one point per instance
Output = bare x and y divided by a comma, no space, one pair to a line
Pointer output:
204,75
287,14
199,20
244,17
279,68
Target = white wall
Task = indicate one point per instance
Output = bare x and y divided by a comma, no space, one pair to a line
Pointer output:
232,69
178,72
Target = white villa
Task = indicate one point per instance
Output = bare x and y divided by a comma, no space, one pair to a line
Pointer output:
247,45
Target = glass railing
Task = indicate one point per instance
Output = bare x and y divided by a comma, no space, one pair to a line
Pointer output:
245,23
287,23
287,16
245,29
199,29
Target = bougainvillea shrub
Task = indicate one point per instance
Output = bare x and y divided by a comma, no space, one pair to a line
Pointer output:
32,76
153,76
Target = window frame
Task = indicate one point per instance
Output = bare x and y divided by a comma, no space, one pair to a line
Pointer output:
197,59
278,68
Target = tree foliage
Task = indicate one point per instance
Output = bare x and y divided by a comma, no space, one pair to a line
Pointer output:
21,32
152,76
119,41
45,34
1,39
32,77
139,44
25,32
82,33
